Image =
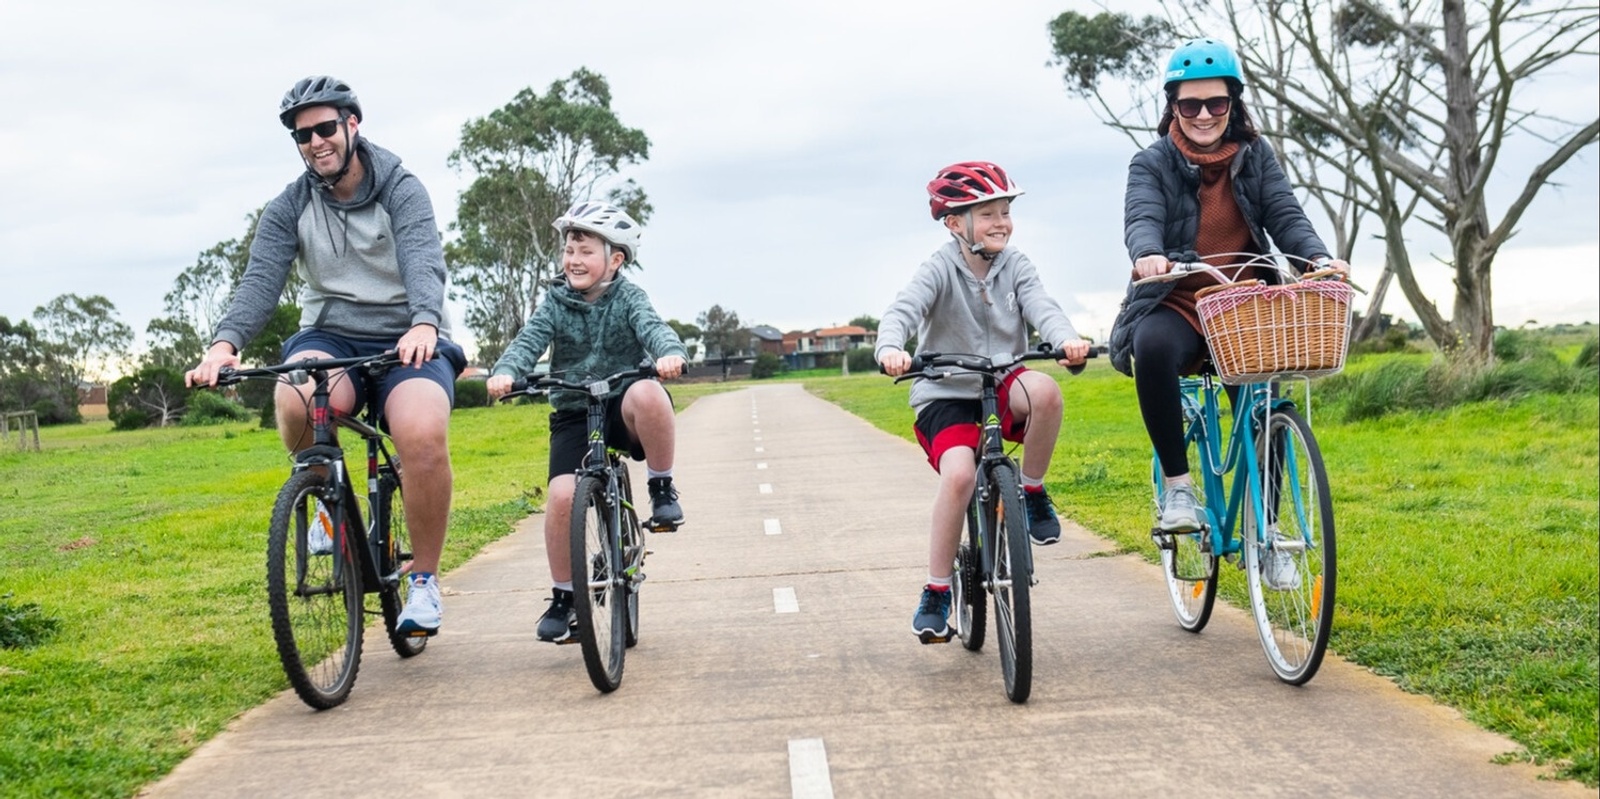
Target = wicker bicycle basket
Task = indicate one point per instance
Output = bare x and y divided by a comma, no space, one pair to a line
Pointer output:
1258,331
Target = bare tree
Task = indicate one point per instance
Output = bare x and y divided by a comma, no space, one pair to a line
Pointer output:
1400,111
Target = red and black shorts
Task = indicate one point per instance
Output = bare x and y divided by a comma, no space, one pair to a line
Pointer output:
946,423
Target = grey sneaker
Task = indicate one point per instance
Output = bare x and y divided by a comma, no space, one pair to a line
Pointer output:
424,609
1278,567
1180,510
665,513
558,620
932,622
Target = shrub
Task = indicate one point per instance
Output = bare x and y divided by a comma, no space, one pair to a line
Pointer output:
472,393
766,365
1589,355
154,395
24,625
861,361
209,407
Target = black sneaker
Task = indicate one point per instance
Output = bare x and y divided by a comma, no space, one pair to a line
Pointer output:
559,619
932,622
1043,526
665,515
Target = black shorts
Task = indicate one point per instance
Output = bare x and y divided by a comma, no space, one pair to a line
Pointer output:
569,437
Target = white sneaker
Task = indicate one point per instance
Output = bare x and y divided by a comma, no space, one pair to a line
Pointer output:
319,535
424,609
1180,510
1278,568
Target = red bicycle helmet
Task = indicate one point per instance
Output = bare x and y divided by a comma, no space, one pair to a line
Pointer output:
968,183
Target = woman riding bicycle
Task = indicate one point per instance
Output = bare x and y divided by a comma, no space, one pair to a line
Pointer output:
1210,184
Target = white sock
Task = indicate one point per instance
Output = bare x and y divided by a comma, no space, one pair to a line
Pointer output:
938,582
566,586
651,474
1032,482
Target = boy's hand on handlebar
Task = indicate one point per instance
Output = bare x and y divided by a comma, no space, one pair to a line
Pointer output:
669,366
895,362
498,385
219,356
1150,266
1076,350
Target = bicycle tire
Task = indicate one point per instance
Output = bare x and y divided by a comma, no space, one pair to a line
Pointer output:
392,542
597,591
1294,616
1187,559
633,550
972,609
314,600
1012,612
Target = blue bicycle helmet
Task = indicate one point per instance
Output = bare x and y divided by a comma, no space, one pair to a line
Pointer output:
1202,58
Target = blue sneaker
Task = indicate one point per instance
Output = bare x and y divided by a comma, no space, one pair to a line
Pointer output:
932,622
424,609
1043,526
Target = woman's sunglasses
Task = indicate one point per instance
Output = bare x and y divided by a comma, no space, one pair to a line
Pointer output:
1188,108
327,129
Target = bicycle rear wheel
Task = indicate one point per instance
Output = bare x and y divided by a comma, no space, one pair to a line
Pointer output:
1291,563
597,590
314,592
633,550
1012,614
1187,560
393,545
972,609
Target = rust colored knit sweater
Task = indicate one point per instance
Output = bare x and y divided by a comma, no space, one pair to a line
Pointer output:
1223,228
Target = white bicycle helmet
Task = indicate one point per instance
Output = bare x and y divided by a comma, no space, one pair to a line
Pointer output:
606,221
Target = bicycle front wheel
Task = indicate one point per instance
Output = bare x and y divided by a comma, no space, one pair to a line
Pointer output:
972,610
1187,559
393,545
1013,616
633,550
597,582
314,592
1289,554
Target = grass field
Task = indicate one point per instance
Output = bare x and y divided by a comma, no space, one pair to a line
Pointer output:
1467,544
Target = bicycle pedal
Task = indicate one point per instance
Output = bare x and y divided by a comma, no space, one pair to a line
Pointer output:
662,527
929,638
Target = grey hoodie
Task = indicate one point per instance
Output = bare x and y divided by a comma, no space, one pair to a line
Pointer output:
373,267
952,311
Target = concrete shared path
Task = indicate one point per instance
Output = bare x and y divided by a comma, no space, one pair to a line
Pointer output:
776,660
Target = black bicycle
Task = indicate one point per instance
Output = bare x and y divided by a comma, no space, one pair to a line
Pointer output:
322,560
996,555
607,540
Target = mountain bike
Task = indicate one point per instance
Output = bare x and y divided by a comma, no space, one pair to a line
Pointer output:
1275,519
607,540
322,560
996,555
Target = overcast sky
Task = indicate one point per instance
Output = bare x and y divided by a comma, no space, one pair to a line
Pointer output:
790,143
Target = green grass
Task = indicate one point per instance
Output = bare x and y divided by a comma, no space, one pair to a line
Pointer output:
1467,543
145,550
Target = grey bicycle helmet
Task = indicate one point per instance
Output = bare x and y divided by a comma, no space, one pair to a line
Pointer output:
317,90
604,220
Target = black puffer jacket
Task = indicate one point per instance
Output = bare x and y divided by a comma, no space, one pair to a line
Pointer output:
1161,216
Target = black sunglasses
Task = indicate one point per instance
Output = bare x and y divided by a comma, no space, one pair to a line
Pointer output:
327,129
1189,107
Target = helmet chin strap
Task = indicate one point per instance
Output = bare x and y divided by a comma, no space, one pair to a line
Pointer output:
971,246
344,168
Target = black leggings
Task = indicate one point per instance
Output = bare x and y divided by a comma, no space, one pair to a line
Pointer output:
1163,346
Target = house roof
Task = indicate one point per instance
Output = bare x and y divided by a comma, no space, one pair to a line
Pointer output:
767,333
846,330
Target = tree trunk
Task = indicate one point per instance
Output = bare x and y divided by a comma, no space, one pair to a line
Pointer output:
1466,219
1369,320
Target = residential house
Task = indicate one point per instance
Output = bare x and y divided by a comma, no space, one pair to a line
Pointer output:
825,347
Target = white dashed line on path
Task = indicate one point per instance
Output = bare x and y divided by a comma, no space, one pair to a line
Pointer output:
766,488
772,527
761,466
784,601
808,769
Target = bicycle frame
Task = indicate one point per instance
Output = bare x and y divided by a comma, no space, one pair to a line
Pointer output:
991,454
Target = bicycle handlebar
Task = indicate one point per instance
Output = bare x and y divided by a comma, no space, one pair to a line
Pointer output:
298,370
923,364
1189,263
534,384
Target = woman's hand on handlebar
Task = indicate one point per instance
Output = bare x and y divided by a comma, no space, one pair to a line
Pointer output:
895,362
669,366
1151,266
498,385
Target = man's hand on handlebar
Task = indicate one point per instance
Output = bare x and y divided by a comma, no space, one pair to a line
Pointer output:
218,357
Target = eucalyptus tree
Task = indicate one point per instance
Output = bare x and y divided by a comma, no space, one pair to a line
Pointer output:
723,334
1397,111
83,337
532,158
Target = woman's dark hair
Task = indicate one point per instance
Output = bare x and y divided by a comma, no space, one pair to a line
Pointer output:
1241,127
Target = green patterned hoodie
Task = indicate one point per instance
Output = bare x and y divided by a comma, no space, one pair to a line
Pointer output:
590,339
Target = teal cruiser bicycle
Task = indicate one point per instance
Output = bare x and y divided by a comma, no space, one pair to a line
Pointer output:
1259,472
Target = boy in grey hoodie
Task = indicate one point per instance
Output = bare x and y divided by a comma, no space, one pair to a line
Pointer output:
595,323
976,295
